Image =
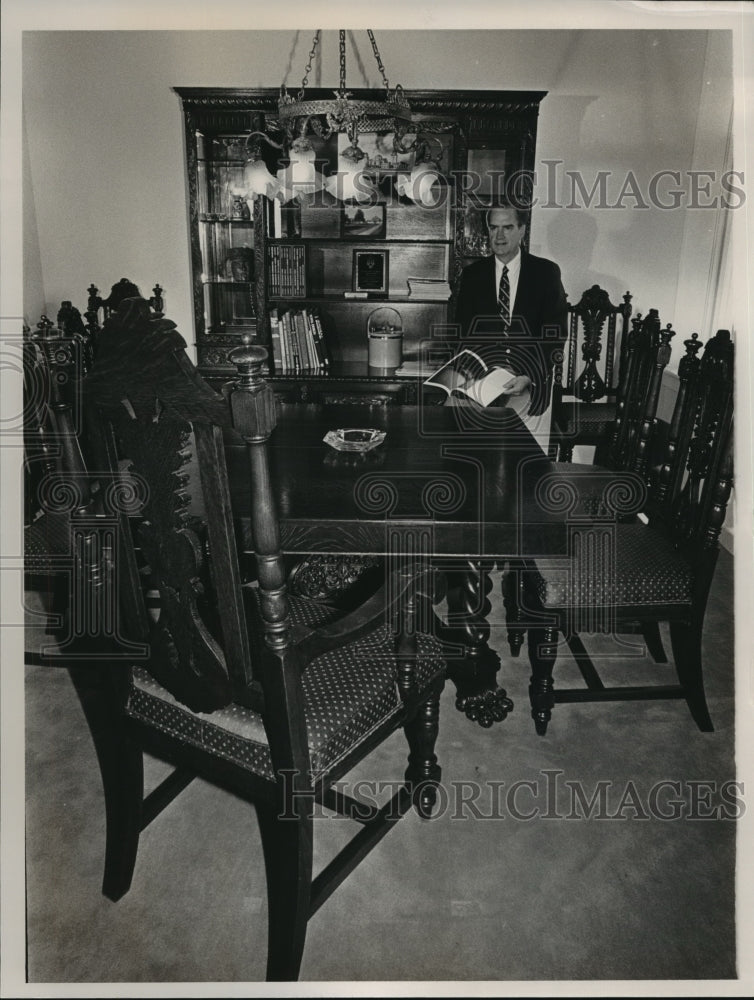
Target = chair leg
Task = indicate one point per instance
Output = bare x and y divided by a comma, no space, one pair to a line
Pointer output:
686,641
651,634
543,646
511,581
565,451
121,765
288,850
423,772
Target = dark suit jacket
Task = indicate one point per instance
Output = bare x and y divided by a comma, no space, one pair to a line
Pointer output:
538,321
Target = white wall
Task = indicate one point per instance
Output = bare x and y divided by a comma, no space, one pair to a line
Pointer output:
106,185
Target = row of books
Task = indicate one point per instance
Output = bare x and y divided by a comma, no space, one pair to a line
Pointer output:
287,270
298,343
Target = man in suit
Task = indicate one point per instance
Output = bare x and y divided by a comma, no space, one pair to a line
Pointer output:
513,306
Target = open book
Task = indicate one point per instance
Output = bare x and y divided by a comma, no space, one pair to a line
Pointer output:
467,374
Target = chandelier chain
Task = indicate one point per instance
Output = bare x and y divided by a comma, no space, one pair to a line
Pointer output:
308,67
379,60
342,49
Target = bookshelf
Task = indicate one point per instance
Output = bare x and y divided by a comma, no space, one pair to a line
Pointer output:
303,278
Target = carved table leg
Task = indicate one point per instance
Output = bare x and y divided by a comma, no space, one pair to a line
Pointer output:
474,673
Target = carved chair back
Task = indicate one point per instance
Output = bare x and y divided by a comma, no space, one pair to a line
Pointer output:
645,356
593,317
98,310
153,409
696,477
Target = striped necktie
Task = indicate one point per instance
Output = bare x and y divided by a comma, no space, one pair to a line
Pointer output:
504,299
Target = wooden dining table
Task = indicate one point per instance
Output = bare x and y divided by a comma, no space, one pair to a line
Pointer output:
464,487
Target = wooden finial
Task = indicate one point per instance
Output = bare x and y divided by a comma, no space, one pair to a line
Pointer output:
252,401
157,302
46,327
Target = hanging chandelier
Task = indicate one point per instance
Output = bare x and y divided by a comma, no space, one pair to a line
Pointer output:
302,118
343,113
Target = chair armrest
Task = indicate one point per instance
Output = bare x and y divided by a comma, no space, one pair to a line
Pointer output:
379,608
376,610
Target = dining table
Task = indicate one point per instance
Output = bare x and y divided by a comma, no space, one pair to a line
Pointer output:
465,488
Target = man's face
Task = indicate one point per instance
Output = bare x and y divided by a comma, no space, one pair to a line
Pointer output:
505,233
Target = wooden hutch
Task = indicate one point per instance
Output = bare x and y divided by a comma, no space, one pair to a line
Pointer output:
483,143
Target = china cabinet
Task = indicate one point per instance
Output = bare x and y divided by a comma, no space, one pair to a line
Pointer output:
312,271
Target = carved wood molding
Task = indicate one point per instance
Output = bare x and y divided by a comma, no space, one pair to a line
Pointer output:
424,101
325,576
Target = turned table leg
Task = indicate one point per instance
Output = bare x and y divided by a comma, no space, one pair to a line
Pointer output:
473,669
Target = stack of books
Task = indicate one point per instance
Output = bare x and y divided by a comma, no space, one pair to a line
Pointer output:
298,344
428,288
287,270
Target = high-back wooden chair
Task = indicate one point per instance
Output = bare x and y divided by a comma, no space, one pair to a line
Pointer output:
262,693
657,568
630,448
586,417
99,309
645,355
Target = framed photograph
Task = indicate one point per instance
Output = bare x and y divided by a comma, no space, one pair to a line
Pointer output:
363,222
370,270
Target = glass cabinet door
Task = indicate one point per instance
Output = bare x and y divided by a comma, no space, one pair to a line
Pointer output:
226,236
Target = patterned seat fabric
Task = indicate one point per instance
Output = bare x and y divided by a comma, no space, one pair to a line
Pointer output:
589,482
589,418
312,614
348,692
646,570
49,535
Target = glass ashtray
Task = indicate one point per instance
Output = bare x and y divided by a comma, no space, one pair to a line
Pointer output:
354,438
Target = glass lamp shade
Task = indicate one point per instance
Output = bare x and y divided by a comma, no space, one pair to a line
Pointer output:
300,176
422,185
259,180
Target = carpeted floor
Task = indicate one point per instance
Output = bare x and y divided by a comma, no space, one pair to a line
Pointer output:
510,882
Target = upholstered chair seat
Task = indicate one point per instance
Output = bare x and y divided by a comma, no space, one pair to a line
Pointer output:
588,423
49,535
348,692
631,565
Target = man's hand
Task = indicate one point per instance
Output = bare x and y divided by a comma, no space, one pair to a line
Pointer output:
519,385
